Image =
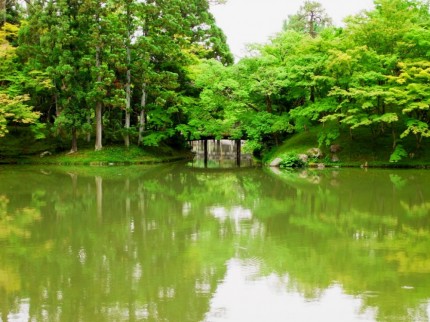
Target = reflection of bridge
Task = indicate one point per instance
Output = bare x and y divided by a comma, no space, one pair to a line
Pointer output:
219,150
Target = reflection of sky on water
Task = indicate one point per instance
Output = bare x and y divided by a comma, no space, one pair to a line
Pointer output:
244,296
236,213
314,245
23,312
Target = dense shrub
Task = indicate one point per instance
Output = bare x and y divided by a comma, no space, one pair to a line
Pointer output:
291,161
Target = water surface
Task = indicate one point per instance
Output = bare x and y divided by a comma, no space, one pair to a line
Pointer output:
176,243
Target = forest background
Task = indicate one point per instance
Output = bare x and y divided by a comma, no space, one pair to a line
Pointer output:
159,73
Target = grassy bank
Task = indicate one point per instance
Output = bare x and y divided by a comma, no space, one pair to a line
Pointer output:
109,155
20,147
357,150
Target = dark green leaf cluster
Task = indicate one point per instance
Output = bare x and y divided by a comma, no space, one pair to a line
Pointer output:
110,70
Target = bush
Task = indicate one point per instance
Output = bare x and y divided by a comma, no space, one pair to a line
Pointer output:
291,161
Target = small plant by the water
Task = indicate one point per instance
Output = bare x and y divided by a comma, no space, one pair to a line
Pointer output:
290,160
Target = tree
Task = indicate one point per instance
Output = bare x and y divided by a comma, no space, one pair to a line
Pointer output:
380,29
361,97
311,19
9,12
13,102
175,35
373,46
207,114
412,94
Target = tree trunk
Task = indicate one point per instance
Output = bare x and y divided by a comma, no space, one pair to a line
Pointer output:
128,99
74,148
142,114
4,15
57,108
312,26
57,114
312,96
89,132
99,127
127,110
268,104
419,138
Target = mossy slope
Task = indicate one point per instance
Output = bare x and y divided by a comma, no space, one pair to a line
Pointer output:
360,148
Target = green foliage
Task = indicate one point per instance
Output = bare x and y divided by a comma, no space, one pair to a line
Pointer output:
328,135
14,106
398,154
156,137
127,57
159,74
291,160
311,18
411,93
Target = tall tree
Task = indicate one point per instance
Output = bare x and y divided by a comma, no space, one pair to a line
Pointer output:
117,64
311,18
176,34
10,11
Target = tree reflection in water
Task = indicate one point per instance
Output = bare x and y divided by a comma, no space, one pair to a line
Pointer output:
172,243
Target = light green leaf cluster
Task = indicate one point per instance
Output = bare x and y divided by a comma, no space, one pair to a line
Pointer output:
373,74
13,102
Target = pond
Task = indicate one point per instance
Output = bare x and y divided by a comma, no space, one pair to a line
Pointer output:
177,243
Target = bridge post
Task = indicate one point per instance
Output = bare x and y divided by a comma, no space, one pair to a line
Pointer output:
205,152
219,151
238,151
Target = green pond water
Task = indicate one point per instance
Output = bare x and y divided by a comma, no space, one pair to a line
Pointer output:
176,243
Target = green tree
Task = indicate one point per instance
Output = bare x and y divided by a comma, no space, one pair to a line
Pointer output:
412,95
176,35
207,114
10,11
372,47
13,101
311,19
362,95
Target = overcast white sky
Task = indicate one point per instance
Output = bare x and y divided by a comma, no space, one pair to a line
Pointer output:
254,21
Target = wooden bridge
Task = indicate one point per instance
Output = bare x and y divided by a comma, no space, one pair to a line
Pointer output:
226,148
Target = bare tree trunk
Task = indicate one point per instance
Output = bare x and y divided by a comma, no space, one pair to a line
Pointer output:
99,128
268,104
74,148
4,9
128,99
142,114
89,132
57,113
312,95
57,108
311,25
